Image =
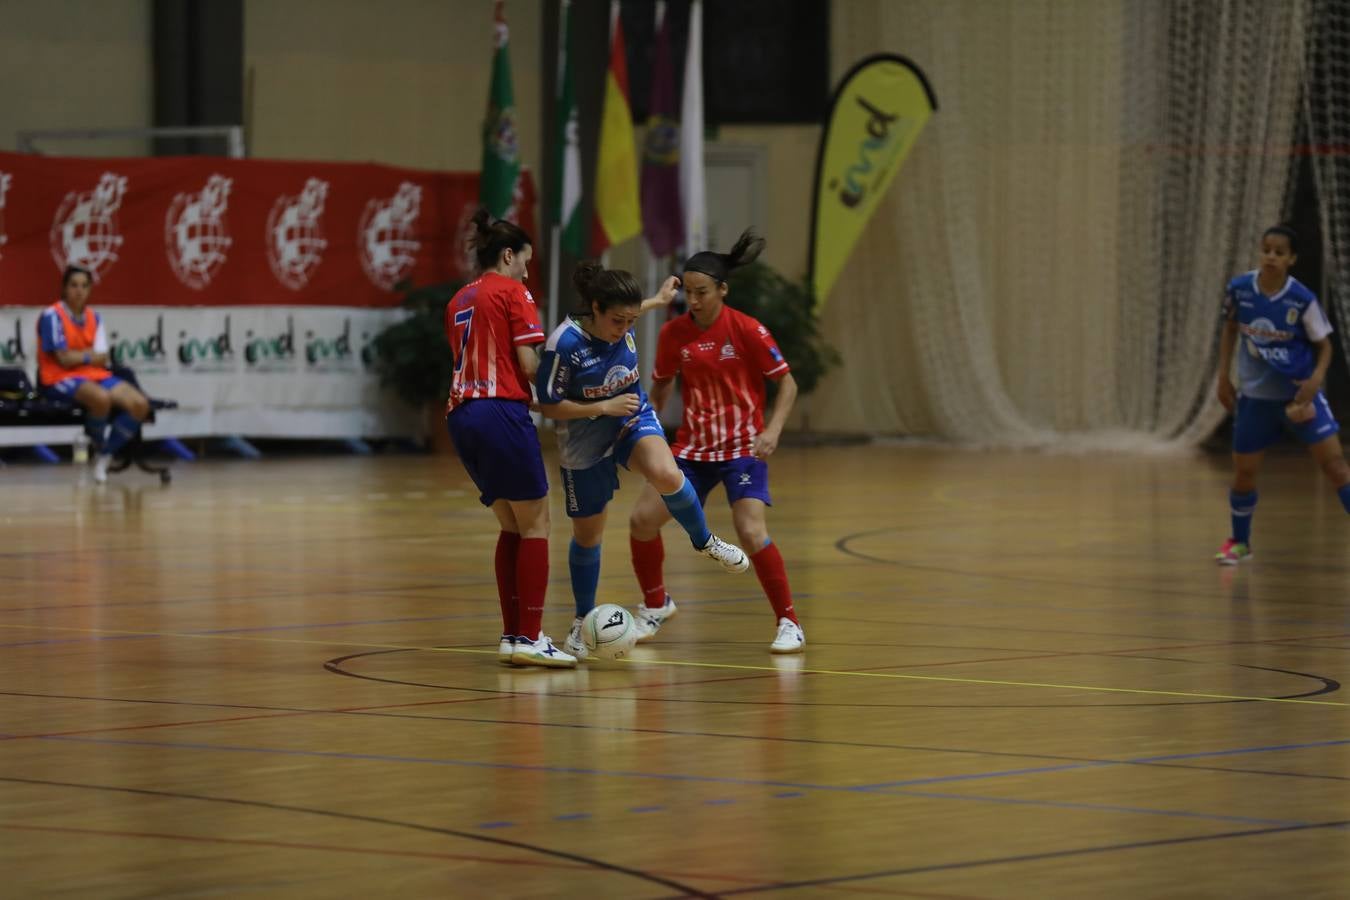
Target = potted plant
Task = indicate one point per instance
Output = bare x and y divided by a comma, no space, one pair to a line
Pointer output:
786,309
413,357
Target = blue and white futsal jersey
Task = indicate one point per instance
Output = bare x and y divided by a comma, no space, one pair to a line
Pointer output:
1276,335
577,366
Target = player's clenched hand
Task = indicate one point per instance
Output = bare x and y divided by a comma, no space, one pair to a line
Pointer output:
1226,393
623,405
765,444
1307,391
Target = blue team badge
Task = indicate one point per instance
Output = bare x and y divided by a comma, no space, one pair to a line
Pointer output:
1292,316
632,346
777,357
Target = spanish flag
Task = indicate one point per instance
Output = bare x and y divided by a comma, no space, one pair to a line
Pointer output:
618,216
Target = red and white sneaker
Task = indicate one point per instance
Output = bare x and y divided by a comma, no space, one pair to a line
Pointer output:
1232,553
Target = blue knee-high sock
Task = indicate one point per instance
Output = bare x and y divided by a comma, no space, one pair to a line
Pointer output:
584,564
97,429
684,506
1242,507
124,428
1344,493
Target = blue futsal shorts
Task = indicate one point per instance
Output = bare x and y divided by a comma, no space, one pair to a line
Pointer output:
586,492
1260,423
747,477
497,442
65,388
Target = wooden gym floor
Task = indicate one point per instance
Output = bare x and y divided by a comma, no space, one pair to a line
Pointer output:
1024,678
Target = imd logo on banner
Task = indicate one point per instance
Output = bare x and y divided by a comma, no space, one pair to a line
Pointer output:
207,352
271,352
142,351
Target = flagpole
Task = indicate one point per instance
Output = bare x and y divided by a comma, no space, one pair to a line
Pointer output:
554,265
650,324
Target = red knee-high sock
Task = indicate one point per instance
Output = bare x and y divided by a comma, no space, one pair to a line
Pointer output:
649,558
531,583
773,577
508,547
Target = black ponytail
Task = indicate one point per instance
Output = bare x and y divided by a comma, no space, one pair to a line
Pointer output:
718,266
491,238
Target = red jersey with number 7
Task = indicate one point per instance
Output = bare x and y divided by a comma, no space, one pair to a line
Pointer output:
485,322
723,370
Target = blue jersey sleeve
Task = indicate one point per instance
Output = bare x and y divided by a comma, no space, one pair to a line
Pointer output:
555,370
50,332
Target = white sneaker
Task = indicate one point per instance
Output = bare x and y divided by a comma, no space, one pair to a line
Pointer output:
574,644
790,638
541,652
505,649
732,558
101,468
649,621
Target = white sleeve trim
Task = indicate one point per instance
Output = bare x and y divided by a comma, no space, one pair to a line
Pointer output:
775,371
529,336
1315,322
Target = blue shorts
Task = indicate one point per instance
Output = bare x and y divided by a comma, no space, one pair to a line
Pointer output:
65,388
1260,423
499,446
743,478
588,491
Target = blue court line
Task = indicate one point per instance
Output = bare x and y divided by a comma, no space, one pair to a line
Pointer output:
497,825
646,809
571,817
1036,770
670,776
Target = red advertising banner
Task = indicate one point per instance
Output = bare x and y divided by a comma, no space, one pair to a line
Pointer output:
206,231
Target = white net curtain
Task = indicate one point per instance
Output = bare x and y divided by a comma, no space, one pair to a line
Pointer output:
1048,267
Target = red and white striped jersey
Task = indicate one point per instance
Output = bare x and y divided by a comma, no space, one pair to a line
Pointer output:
723,370
485,322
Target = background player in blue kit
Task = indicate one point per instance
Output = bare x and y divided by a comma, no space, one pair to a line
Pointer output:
592,358
1284,355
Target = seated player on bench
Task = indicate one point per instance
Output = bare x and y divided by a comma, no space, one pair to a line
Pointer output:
74,365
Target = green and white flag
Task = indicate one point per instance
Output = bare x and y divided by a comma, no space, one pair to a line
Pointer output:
566,199
501,150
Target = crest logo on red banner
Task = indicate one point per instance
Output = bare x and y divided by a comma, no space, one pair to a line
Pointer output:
85,231
295,241
195,238
386,236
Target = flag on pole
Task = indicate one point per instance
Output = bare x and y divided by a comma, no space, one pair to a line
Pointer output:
662,216
693,191
617,217
501,151
567,163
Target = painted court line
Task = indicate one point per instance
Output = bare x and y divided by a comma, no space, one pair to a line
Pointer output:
706,665
674,777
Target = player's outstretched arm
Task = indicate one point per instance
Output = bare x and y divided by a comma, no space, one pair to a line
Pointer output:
663,297
659,395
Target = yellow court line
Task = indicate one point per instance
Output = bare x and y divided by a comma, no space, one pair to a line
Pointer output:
704,665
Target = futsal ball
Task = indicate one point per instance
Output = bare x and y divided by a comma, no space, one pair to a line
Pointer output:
609,631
